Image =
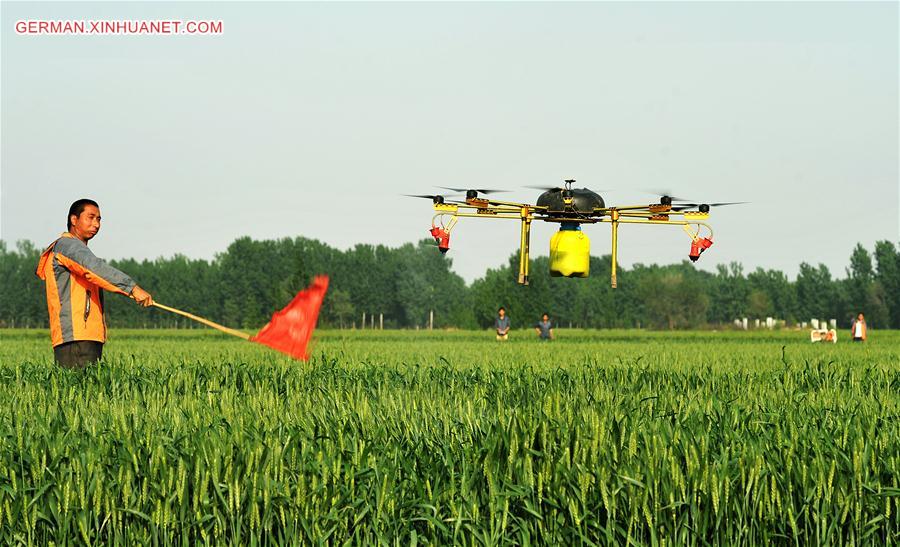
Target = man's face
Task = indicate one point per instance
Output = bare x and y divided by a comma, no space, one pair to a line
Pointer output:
87,224
545,317
502,313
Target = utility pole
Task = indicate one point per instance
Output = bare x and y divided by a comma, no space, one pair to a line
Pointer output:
431,320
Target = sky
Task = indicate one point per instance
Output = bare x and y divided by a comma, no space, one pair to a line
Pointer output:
312,119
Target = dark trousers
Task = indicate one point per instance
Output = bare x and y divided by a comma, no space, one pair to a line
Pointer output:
78,354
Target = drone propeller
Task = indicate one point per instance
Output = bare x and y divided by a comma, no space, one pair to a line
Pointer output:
434,198
479,190
546,188
569,183
704,207
665,196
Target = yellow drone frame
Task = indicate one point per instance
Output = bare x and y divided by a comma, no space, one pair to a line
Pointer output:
653,214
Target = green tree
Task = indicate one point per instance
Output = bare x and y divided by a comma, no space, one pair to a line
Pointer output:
730,293
338,307
779,292
887,276
759,305
816,293
863,292
673,299
22,298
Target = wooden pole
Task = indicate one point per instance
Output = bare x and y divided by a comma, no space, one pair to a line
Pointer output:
206,322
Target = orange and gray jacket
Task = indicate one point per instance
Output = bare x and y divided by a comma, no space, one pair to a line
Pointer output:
75,279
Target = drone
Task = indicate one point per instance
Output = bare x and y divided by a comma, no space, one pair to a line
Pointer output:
570,208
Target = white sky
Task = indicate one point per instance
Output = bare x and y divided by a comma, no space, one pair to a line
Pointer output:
310,119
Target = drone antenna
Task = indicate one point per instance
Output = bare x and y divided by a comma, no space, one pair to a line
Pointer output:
569,183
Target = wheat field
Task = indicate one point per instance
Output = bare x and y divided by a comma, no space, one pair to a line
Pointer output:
187,437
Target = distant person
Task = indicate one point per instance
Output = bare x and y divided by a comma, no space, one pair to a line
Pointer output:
75,280
502,324
544,328
858,329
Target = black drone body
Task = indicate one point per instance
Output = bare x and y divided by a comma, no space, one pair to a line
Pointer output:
578,200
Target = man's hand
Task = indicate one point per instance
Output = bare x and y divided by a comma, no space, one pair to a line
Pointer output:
142,297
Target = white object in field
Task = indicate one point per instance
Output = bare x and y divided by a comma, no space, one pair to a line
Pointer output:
823,335
770,323
756,323
745,323
803,325
814,323
833,323
737,323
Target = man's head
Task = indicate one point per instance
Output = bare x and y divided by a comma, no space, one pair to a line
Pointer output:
84,219
545,317
501,311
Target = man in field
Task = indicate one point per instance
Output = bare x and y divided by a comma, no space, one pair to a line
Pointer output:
75,280
544,328
502,324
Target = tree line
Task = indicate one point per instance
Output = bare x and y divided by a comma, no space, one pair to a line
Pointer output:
251,279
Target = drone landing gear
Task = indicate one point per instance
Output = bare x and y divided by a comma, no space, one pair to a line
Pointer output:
524,246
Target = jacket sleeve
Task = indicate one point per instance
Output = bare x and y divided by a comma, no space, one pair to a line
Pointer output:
79,260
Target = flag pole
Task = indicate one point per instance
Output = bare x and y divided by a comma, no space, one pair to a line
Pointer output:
206,322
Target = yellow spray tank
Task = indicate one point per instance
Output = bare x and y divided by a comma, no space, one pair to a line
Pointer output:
570,252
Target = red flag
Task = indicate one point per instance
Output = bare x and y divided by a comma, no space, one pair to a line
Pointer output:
290,329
